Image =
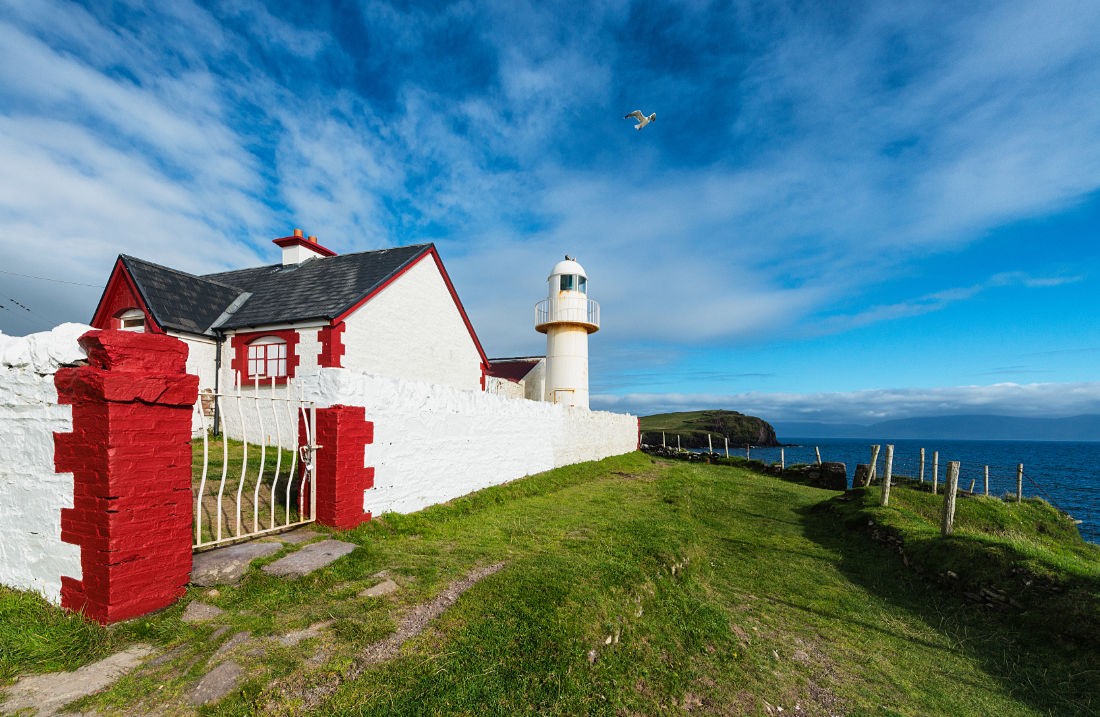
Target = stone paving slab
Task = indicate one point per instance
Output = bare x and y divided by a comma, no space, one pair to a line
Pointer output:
383,588
200,612
315,630
226,566
312,557
217,683
50,692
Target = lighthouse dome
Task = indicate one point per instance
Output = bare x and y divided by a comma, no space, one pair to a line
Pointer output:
568,266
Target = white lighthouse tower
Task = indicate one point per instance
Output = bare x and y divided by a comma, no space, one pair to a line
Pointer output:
567,316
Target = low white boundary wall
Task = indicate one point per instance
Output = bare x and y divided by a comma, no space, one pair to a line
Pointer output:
433,443
32,556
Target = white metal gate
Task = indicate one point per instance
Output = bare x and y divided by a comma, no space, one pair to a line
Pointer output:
253,472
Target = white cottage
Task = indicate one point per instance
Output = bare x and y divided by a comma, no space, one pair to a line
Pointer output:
392,312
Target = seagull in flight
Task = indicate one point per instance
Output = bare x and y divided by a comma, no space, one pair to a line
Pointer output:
642,119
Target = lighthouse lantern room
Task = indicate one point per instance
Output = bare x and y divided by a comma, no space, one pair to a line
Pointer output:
567,316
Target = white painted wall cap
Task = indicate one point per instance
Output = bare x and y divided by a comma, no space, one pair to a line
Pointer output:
568,266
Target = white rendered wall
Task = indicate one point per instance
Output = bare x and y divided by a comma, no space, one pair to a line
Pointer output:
413,330
503,387
32,556
534,383
435,443
567,365
201,355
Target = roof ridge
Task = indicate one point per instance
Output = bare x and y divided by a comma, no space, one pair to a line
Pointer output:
199,277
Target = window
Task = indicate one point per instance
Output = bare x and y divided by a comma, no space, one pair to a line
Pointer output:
132,320
267,357
574,282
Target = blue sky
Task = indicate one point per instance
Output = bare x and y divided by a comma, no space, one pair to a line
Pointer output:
844,212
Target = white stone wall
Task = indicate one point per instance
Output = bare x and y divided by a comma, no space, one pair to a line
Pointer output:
413,330
433,443
32,556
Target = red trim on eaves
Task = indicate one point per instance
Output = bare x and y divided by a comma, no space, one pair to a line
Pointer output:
121,293
430,250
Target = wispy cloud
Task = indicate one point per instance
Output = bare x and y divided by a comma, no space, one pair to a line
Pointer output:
804,154
867,406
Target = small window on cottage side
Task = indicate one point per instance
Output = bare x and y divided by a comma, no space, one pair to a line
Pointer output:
132,320
267,357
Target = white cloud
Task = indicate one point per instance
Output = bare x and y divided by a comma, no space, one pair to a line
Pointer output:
871,405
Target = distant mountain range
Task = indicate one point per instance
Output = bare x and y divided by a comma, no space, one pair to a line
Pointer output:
973,427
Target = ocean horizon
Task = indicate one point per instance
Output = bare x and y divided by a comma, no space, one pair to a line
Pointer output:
1064,473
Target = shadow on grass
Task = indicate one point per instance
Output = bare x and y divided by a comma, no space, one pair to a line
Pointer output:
1044,653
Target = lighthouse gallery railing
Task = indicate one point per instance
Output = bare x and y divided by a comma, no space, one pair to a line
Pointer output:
574,310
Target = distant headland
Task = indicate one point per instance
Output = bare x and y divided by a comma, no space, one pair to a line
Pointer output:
693,427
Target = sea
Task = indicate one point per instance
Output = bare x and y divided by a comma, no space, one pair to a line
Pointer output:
1065,474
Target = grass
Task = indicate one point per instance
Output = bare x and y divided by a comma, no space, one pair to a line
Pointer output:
728,592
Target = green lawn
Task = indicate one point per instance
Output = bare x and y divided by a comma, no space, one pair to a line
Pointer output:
728,592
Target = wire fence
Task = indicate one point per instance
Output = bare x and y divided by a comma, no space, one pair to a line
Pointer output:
1065,476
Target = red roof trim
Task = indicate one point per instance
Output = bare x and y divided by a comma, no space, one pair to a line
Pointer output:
121,289
314,246
429,250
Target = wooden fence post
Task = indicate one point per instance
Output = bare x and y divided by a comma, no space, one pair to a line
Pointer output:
710,445
874,462
662,439
887,474
727,447
748,455
817,451
677,441
782,460
987,480
1019,482
951,486
922,466
935,472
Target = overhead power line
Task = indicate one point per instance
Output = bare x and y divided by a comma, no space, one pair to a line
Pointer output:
46,278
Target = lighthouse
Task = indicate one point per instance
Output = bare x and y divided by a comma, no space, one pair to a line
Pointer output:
567,316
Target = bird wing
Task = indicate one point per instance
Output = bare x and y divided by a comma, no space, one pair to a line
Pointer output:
636,114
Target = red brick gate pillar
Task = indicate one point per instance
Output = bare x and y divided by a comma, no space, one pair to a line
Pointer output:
130,456
342,478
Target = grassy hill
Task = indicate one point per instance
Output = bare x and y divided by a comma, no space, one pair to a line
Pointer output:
693,426
637,586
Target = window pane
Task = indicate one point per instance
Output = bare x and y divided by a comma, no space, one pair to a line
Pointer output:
583,284
567,282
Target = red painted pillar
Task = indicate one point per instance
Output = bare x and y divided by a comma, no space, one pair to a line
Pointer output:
130,456
342,436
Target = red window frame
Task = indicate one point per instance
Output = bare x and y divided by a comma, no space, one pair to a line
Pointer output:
242,342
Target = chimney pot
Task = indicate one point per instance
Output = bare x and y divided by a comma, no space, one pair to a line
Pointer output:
313,239
298,233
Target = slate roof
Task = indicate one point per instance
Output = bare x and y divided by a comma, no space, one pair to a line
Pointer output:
179,300
513,369
320,288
